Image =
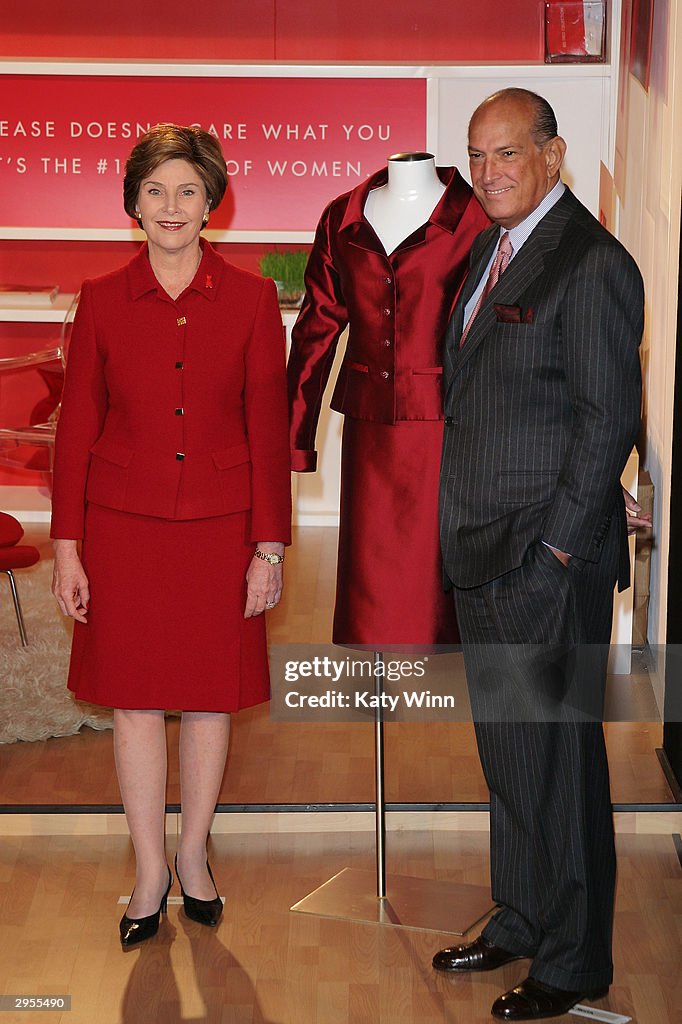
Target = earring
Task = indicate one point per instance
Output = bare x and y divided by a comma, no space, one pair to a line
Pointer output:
205,220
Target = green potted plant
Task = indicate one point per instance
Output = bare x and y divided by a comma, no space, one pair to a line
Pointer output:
286,269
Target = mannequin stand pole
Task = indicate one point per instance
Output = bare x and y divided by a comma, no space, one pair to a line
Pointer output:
423,903
379,793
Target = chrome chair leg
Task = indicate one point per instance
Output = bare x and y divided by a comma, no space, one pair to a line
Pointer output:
17,606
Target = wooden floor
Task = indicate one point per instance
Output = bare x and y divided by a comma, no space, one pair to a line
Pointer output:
265,965
275,763
300,763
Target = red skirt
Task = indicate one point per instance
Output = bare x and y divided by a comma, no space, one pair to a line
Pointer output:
166,628
389,587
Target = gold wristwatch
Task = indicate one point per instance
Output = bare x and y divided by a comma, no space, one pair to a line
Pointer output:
267,557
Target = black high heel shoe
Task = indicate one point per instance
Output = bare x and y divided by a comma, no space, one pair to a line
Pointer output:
134,930
202,911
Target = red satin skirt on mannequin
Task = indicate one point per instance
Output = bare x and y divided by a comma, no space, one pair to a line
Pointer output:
389,588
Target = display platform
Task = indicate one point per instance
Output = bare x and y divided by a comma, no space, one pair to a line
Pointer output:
425,904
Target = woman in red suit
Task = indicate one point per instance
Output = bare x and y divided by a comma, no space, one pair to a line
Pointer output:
171,505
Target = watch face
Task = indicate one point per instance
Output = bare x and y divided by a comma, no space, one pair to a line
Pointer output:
268,557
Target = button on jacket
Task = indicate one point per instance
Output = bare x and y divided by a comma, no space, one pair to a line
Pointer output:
175,408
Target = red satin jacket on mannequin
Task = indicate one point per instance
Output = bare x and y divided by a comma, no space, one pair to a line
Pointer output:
397,307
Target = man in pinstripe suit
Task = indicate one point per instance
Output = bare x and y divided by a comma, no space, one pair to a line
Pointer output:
542,407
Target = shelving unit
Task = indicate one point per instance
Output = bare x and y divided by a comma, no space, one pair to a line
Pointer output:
52,314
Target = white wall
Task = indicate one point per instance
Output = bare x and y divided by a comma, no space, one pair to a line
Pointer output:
581,102
649,226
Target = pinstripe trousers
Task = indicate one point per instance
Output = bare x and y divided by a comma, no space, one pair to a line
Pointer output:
536,649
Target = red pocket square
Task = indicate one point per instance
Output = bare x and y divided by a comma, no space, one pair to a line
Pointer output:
513,314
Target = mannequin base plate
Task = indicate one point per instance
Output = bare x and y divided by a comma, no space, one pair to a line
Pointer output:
421,903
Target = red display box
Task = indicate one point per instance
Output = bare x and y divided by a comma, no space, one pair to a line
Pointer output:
575,31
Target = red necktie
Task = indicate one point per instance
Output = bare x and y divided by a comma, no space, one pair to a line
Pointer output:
499,265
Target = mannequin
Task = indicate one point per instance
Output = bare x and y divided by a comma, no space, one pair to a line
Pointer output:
388,261
407,200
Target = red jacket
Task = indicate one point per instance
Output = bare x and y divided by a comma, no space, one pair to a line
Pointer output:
397,306
175,409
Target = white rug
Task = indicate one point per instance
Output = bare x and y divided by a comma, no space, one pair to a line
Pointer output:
34,700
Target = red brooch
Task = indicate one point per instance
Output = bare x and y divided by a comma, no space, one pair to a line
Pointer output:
209,281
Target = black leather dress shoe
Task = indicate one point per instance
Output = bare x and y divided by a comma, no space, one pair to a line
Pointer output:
138,929
532,1000
479,955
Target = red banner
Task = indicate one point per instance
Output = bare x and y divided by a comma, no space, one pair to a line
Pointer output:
291,144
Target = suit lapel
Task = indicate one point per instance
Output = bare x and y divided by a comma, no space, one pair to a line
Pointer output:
526,266
480,255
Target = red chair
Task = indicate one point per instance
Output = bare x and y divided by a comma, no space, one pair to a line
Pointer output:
15,556
30,445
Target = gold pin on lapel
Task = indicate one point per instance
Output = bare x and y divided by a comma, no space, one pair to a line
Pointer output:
181,321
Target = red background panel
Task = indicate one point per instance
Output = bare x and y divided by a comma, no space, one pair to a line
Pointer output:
267,30
291,144
173,30
423,30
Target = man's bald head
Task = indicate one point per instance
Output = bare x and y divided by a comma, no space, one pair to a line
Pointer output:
543,123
